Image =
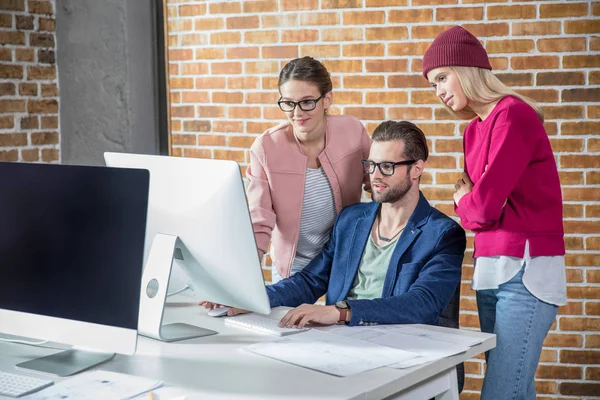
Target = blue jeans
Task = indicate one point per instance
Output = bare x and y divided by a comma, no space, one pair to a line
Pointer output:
520,322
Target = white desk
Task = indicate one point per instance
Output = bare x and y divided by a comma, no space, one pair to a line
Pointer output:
215,367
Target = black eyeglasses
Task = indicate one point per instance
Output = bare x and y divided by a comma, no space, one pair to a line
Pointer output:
305,105
385,167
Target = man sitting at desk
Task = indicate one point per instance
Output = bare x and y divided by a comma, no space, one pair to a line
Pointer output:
396,260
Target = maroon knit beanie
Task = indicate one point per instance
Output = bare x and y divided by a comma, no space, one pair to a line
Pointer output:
455,47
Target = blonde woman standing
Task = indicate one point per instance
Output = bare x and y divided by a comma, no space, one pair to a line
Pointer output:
510,197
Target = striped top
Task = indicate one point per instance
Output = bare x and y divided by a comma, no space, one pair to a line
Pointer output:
318,216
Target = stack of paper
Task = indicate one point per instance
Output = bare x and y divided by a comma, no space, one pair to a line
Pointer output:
97,385
333,354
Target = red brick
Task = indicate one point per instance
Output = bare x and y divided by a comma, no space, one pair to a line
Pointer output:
363,17
363,50
6,54
580,388
563,112
251,22
488,29
326,18
301,36
50,155
411,113
196,126
183,140
182,112
208,24
297,5
510,46
30,155
181,83
571,308
428,31
15,5
13,139
510,12
560,78
343,65
534,62
225,38
558,372
341,34
579,27
592,308
7,122
196,153
210,82
234,155
581,95
581,61
261,6
432,2
227,7
593,178
580,128
364,81
44,138
42,106
580,194
410,15
261,36
188,10
30,122
12,37
181,54
399,97
407,49
404,81
262,97
241,141
580,161
321,51
23,22
280,20
385,3
394,33
563,340
40,7
49,90
226,68
579,292
211,140
244,112
287,52
210,111
389,65
180,25
561,45
459,14
28,89
200,68
261,67
10,155
366,113
258,127
340,4
194,39
563,10
594,77
536,28
270,83
228,126
592,374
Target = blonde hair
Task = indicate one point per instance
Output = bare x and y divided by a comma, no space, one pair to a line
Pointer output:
482,86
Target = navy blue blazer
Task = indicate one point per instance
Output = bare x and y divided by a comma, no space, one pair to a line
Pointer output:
421,279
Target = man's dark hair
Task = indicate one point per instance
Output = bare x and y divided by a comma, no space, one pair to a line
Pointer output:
415,144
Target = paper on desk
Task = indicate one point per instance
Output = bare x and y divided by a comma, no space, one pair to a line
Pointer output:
332,354
97,385
430,345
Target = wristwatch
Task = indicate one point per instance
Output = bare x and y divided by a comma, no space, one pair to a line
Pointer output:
343,307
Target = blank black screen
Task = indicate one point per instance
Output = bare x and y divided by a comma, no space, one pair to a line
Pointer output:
72,241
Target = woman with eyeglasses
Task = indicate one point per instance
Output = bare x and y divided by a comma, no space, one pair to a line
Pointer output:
304,171
510,197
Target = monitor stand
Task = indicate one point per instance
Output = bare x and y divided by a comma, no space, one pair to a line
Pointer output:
66,363
155,281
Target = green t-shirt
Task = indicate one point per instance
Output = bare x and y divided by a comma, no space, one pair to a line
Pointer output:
373,267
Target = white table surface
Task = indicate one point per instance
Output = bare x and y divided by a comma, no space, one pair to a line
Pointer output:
215,367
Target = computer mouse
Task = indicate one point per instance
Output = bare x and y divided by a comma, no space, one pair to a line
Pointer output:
218,312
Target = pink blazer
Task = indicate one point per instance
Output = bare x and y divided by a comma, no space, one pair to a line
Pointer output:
276,178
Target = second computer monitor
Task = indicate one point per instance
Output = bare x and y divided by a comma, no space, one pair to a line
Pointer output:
203,203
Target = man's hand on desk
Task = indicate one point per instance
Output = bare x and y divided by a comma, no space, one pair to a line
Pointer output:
310,313
232,311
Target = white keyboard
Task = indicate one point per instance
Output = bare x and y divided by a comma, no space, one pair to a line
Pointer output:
17,385
262,324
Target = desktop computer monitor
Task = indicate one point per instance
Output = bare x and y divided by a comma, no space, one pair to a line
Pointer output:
71,253
202,202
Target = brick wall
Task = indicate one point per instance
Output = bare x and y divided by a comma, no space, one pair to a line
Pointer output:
224,58
29,128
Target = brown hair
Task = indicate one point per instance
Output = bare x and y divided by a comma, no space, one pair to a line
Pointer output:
309,70
415,144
